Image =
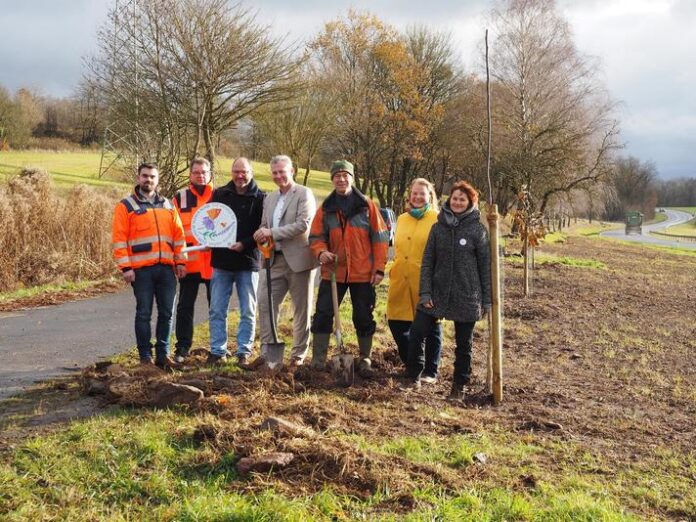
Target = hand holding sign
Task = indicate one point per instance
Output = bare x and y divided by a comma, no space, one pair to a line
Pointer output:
214,225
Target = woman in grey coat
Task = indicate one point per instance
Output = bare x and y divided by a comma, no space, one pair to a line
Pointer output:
454,283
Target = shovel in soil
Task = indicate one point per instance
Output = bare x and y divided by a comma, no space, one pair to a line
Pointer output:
342,364
272,353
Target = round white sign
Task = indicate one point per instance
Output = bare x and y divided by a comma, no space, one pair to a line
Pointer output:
462,241
214,225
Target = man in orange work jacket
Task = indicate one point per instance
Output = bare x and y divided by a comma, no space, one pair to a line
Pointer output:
198,270
148,242
348,236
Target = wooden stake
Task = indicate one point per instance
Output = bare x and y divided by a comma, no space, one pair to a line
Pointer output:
489,359
496,312
526,264
495,332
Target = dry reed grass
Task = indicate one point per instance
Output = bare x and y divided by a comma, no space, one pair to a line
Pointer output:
46,238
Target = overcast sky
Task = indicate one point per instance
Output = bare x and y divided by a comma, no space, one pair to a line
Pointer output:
646,48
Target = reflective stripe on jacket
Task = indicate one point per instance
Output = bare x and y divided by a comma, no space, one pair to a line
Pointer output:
145,233
187,201
359,238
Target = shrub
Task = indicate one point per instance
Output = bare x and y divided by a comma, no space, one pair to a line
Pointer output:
45,238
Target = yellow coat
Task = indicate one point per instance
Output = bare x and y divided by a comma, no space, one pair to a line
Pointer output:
404,276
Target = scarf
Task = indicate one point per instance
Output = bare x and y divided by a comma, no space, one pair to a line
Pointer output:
418,213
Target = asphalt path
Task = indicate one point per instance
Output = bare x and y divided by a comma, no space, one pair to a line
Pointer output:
51,341
674,217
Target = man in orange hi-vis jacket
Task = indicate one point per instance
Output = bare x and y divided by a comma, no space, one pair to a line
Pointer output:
148,242
349,238
198,270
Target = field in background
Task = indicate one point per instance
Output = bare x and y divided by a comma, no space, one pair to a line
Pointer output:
685,229
70,168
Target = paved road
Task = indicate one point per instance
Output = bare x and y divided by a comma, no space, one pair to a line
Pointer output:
674,217
56,340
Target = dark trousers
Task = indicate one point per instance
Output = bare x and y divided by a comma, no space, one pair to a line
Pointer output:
422,325
363,297
154,283
188,292
433,344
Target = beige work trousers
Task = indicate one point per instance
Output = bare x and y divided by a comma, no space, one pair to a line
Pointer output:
300,285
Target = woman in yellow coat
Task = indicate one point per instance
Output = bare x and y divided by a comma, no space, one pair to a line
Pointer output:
412,230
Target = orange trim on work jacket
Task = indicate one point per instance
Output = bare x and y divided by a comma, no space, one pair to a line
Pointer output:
146,233
187,201
358,236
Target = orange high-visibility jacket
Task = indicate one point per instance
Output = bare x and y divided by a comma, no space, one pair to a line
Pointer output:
145,233
187,201
359,238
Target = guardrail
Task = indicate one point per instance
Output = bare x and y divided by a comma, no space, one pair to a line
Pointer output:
673,236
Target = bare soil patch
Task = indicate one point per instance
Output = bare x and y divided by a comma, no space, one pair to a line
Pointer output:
599,357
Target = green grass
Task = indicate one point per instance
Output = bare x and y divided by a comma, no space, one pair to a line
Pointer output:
69,168
685,229
550,259
144,465
555,237
690,210
47,289
595,228
672,250
65,168
659,218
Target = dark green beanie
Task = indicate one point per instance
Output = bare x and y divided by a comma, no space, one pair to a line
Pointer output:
341,165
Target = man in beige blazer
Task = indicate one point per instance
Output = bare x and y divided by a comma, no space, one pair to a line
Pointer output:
287,214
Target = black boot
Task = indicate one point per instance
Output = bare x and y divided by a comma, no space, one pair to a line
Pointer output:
458,392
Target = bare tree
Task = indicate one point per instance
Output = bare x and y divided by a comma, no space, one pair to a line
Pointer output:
298,126
556,119
631,186
175,75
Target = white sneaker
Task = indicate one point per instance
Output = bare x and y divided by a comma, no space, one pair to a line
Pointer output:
179,359
428,379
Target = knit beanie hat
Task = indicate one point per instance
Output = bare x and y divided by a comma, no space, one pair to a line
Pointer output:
341,165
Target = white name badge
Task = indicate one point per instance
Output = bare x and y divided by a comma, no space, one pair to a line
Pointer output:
214,225
462,241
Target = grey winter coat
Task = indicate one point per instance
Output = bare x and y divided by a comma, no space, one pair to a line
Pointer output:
455,272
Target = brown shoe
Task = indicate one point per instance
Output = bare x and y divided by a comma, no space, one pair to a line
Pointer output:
216,359
166,364
253,365
295,363
243,361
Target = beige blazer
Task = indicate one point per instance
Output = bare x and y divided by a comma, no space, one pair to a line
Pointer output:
293,232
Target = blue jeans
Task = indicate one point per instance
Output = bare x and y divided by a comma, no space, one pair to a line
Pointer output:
220,292
155,282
